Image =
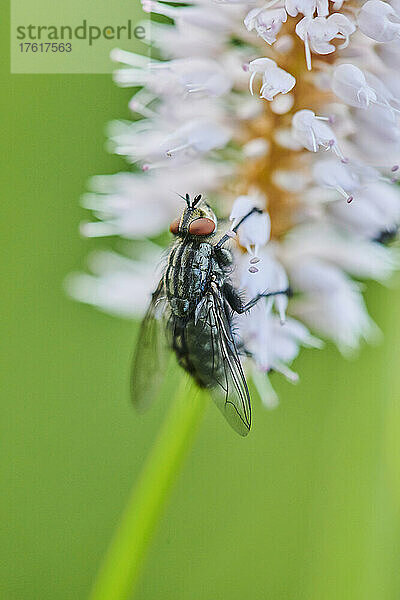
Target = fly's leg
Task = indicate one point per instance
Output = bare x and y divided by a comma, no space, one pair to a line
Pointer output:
233,298
227,236
254,301
235,302
231,294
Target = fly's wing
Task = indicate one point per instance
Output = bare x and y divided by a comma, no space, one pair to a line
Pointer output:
150,357
230,392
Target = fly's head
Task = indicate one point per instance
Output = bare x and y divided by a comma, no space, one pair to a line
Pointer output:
197,220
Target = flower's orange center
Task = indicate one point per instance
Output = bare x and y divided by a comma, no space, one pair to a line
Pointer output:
263,173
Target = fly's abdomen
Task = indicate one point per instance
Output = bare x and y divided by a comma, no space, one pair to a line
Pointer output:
187,276
198,353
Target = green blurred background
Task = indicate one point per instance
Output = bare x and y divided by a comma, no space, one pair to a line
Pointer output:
307,507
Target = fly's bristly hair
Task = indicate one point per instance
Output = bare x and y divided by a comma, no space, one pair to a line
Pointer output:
196,200
190,204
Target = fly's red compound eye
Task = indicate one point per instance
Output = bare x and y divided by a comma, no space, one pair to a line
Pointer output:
174,227
201,226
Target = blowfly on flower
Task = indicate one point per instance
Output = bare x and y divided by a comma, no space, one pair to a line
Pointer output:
292,106
191,313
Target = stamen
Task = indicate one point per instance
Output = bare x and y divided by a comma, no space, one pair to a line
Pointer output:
308,53
343,193
196,88
177,149
314,140
336,149
346,42
251,82
388,179
331,119
386,105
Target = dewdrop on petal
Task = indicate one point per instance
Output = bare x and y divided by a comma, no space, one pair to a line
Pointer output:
254,234
270,276
255,231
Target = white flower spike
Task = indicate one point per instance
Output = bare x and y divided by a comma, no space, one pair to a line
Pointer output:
325,216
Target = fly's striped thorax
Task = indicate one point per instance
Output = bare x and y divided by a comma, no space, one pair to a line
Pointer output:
187,275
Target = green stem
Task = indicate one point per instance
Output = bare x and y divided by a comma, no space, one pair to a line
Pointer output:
119,572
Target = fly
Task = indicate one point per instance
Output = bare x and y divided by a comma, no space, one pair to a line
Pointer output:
191,313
